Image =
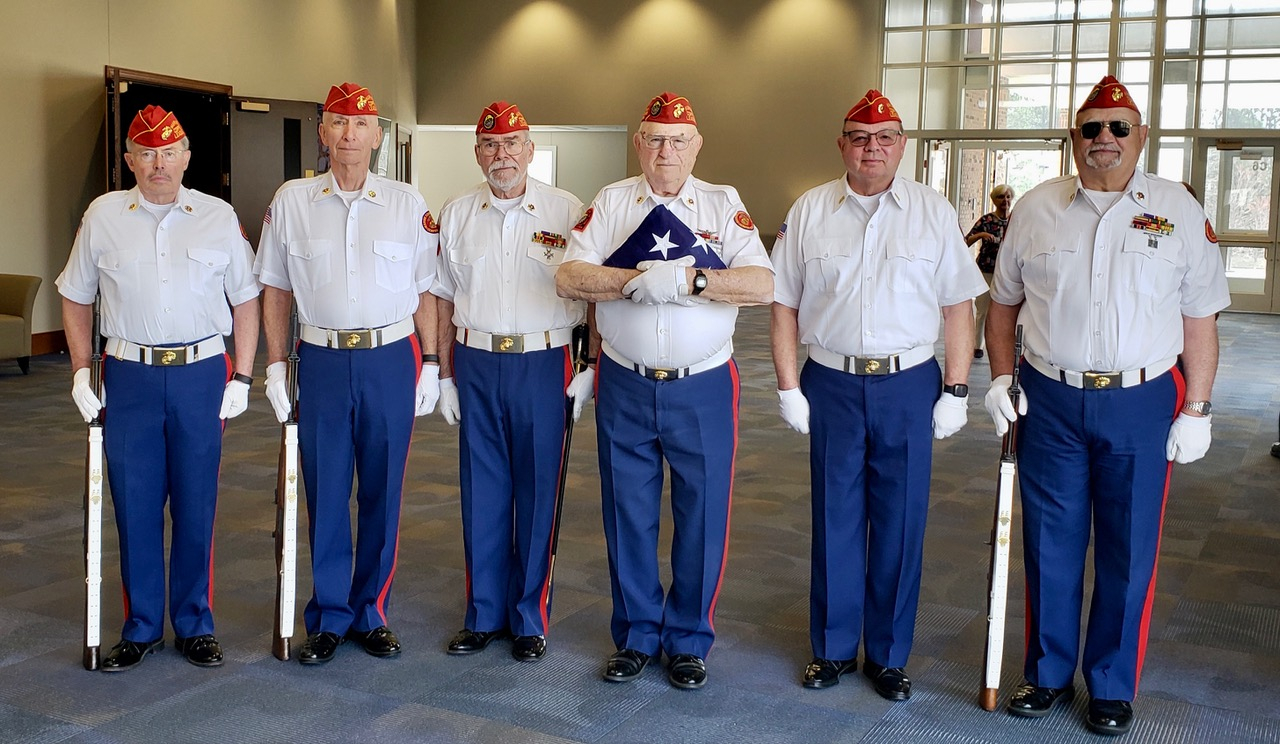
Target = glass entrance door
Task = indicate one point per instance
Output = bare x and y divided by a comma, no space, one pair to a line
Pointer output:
965,171
1240,188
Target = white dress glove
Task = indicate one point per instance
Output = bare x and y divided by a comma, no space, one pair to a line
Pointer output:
235,400
450,408
1000,406
662,281
1188,438
82,394
278,390
950,414
794,409
582,388
428,390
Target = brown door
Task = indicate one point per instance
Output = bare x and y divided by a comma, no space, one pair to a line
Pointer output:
272,141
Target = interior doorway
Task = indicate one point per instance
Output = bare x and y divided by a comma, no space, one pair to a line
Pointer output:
1239,184
965,171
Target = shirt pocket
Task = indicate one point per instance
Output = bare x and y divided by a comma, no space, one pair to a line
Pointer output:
550,257
393,265
910,264
1048,265
310,263
1151,263
207,270
116,262
825,261
468,264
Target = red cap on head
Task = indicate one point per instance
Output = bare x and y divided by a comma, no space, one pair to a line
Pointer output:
873,108
1109,93
669,108
154,127
350,99
501,117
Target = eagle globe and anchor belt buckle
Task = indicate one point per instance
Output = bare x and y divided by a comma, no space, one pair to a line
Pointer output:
869,366
1100,380
513,344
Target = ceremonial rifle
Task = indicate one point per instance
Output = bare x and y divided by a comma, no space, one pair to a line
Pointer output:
578,349
286,533
1001,529
93,473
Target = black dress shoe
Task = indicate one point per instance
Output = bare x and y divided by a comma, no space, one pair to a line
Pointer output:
625,665
1109,717
890,683
473,641
686,671
826,672
529,648
127,654
1030,701
201,650
320,648
377,642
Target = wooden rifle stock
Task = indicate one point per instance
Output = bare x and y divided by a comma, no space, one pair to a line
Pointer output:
93,510
1001,534
578,348
286,532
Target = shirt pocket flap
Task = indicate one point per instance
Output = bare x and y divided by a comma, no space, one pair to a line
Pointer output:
826,249
913,249
310,249
209,256
393,251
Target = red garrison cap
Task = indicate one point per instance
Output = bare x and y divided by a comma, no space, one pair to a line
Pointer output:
1109,93
501,117
154,127
873,108
669,108
350,99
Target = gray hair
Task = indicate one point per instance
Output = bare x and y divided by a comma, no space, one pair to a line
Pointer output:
131,146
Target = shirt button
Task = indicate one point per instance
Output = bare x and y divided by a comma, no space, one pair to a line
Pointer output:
353,299
168,310
164,281
353,272
163,254
868,305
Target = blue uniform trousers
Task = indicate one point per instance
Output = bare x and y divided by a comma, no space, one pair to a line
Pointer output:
163,442
510,445
870,459
692,423
355,417
1092,457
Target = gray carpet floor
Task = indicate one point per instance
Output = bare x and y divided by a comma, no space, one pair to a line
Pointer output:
1212,673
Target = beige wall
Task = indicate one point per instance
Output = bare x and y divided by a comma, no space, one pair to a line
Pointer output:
53,56
770,80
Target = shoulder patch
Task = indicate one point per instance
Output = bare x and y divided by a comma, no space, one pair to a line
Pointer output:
429,223
586,220
1208,231
266,218
743,220
242,231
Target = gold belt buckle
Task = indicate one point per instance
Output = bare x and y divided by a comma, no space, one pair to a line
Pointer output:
356,339
870,365
169,357
662,374
1101,380
513,344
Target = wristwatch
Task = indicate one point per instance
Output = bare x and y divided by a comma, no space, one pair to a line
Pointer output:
960,391
699,281
1202,407
246,379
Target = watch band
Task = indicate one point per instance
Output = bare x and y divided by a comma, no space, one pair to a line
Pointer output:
246,379
432,358
960,391
1202,407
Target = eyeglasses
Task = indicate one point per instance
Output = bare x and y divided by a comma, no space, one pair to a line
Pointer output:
1091,129
149,156
511,146
884,138
655,142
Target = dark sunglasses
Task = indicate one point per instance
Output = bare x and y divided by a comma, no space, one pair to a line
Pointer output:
1120,129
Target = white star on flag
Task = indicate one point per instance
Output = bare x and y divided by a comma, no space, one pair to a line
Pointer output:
662,244
700,242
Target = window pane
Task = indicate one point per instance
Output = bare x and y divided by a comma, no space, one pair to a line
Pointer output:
942,98
904,13
1013,11
1138,8
903,87
1095,8
1136,76
1211,105
977,98
1175,8
1094,39
1173,159
1241,34
1137,38
901,47
1238,190
1035,41
1240,6
1253,105
1025,97
1182,36
946,46
1176,110
1246,268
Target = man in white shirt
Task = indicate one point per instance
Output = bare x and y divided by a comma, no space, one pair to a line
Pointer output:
356,251
505,369
668,259
867,266
1116,277
174,271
